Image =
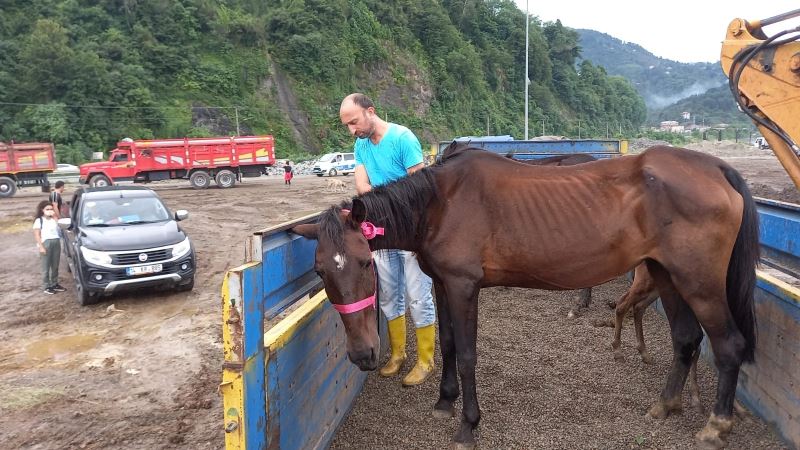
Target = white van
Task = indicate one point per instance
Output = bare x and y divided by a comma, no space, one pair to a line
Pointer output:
333,164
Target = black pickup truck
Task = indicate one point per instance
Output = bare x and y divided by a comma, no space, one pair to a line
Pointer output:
123,237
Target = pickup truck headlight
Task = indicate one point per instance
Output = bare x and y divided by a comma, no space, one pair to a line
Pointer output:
95,257
181,248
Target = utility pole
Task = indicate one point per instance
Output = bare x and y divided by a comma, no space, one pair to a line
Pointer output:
579,128
606,130
236,108
487,125
542,127
527,81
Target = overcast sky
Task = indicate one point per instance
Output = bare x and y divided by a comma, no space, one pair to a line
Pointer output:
681,30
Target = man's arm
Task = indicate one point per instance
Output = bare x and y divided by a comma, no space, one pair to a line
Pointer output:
362,180
54,202
413,169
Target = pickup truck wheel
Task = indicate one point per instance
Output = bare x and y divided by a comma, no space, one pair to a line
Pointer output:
319,174
100,181
200,180
225,178
85,298
7,187
332,173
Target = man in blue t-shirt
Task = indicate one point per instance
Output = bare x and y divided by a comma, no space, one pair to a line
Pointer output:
386,152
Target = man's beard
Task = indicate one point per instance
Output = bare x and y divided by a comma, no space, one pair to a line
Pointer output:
365,134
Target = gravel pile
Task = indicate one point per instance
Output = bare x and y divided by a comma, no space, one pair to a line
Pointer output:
547,382
641,144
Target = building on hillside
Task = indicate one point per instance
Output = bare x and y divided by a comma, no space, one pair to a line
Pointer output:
686,115
671,126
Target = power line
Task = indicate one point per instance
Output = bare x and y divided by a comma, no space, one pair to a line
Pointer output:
124,107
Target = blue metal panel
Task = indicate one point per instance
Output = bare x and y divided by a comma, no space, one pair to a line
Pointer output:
316,382
780,235
253,353
288,270
769,388
547,148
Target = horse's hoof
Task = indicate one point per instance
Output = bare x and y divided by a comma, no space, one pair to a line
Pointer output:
463,446
713,435
699,408
705,441
618,356
661,410
647,358
600,323
444,413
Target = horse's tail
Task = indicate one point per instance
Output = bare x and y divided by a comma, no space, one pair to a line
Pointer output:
741,281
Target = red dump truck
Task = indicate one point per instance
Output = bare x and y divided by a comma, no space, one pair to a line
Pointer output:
222,159
25,165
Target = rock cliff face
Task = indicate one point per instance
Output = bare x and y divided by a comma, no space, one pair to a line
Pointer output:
280,86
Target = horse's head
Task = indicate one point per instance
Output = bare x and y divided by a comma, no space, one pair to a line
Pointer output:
344,262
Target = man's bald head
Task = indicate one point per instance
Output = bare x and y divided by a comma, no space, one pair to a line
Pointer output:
359,100
358,114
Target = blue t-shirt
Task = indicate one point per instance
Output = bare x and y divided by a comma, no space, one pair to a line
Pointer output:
398,150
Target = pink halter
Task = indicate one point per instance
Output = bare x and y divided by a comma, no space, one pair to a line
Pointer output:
370,231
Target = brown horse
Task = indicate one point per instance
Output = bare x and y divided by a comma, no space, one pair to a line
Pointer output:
477,219
567,159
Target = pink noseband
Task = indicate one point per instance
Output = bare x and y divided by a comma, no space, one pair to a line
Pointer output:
370,231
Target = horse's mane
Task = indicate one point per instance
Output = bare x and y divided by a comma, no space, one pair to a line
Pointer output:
456,148
400,207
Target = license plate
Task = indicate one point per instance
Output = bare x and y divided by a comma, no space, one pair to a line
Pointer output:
141,270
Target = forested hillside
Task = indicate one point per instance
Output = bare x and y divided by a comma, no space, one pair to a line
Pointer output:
84,74
660,81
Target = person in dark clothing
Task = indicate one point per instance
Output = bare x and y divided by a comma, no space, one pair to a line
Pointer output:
287,173
55,198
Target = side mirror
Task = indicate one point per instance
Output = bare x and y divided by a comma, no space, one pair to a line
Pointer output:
181,214
66,222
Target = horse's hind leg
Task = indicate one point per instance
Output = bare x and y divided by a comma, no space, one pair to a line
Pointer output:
686,337
584,299
640,292
694,388
448,386
638,314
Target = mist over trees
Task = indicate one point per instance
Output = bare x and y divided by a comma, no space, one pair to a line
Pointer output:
84,74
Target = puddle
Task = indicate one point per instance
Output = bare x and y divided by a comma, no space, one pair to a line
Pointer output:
60,347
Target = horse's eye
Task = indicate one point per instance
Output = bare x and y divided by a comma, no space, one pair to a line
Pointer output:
366,264
319,272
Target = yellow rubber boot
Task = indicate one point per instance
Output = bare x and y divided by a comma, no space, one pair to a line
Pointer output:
426,339
397,342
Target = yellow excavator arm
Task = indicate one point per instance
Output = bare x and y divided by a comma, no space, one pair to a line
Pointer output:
764,77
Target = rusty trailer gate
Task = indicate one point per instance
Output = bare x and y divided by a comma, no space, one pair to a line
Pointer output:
287,383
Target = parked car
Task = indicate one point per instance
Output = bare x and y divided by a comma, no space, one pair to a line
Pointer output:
333,164
120,238
761,143
67,169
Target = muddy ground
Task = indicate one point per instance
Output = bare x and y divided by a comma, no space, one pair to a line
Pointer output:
143,373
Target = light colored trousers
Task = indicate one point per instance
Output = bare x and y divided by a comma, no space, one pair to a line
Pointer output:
403,285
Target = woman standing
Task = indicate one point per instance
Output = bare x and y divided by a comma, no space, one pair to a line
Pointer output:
45,231
287,172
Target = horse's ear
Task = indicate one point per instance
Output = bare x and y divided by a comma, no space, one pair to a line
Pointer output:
359,212
309,231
